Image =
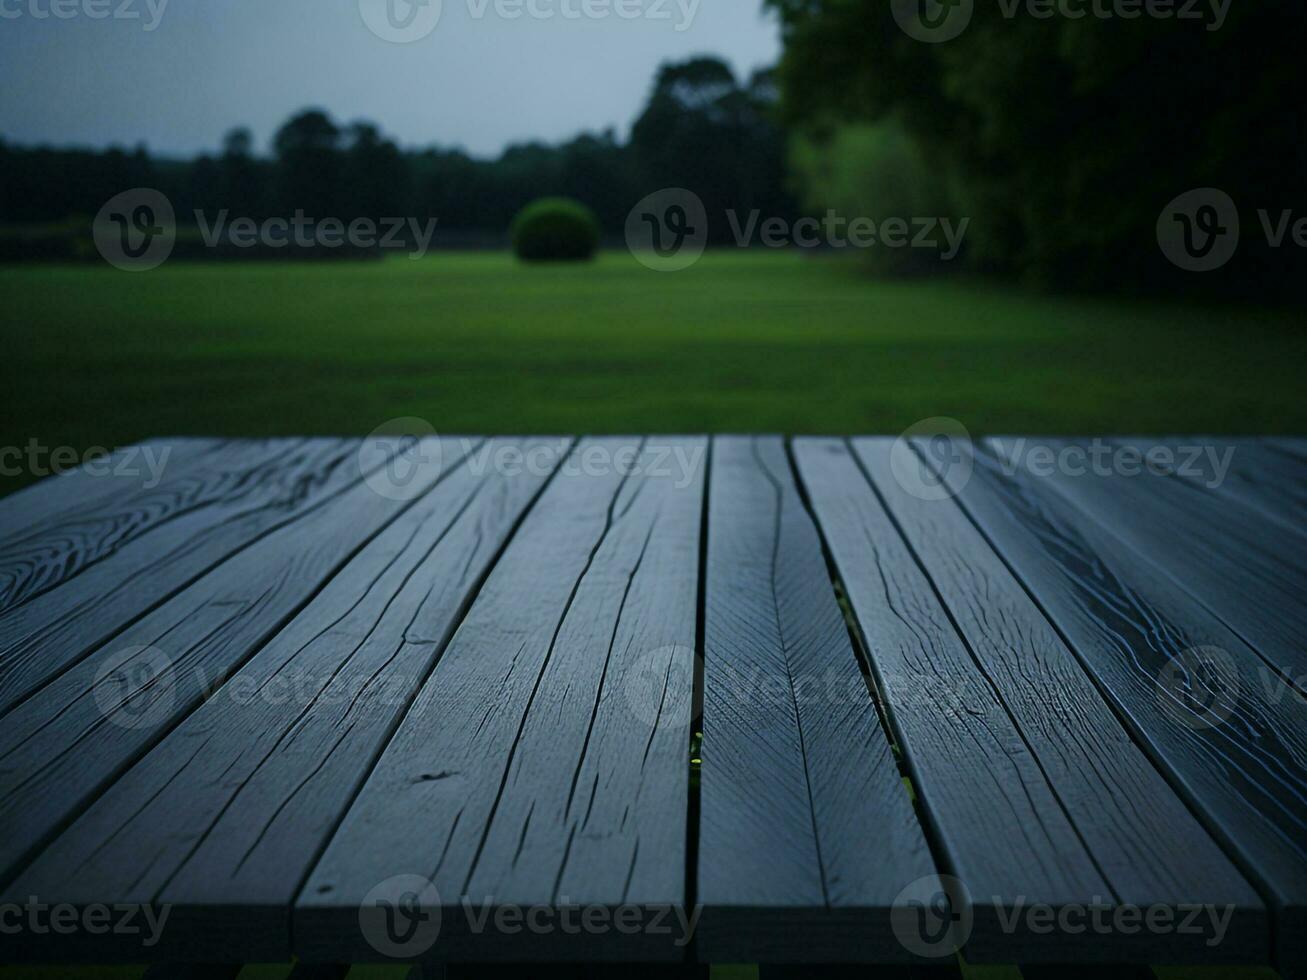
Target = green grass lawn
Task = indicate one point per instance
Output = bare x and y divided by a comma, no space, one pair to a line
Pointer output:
741,342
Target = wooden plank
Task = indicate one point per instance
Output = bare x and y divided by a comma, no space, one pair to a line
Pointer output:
65,743
1293,448
293,733
1234,562
44,554
1242,766
1055,804
124,471
545,762
807,834
1245,472
51,632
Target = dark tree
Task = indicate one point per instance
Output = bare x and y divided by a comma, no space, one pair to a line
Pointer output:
309,165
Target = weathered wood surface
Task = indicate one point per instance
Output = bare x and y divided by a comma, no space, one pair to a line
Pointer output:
68,740
258,692
1234,561
51,632
1228,732
124,472
807,834
292,734
961,646
545,761
54,548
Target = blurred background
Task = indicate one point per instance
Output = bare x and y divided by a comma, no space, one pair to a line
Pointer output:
647,215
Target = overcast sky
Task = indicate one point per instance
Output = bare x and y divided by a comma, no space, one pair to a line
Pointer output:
481,78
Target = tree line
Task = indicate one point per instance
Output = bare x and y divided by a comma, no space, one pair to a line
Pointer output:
702,129
1063,135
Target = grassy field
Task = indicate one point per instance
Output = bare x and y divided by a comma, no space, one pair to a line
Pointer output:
741,342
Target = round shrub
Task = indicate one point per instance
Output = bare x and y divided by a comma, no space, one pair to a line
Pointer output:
555,229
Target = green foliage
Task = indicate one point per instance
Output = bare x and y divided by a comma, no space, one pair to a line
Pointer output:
1066,138
873,170
555,229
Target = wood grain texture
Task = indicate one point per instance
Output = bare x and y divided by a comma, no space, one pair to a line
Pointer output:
1245,472
1242,767
545,761
1292,448
293,734
66,742
123,472
807,834
51,632
55,549
1123,836
1234,561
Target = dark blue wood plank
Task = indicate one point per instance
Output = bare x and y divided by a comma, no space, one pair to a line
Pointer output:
545,763
293,734
807,834
1036,791
65,743
1234,745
